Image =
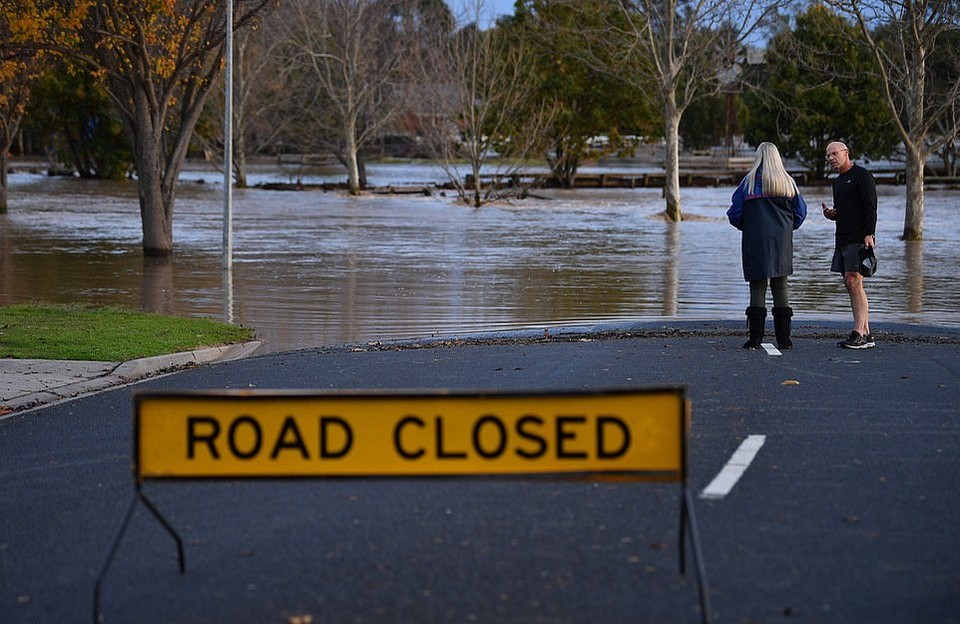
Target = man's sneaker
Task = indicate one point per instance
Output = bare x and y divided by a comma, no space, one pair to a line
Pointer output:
869,339
856,341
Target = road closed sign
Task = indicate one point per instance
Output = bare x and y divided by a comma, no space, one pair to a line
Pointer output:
280,434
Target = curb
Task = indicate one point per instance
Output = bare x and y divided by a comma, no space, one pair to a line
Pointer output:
146,367
126,373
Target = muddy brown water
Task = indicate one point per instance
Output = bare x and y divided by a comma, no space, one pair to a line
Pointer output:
322,268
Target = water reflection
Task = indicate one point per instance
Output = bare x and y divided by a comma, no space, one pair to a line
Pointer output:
914,269
156,294
671,272
317,268
226,283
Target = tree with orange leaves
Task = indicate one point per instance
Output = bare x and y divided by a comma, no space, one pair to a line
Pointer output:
15,77
158,60
30,31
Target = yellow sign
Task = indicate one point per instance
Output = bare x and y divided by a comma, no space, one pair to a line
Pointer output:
297,434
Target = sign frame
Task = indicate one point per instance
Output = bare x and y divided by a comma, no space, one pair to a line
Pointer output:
143,400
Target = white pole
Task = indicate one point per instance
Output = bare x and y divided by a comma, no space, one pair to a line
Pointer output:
228,146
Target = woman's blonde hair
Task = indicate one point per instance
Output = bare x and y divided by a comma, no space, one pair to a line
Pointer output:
774,181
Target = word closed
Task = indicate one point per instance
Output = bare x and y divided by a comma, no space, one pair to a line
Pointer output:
285,434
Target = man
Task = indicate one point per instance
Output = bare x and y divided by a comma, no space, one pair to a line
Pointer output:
855,213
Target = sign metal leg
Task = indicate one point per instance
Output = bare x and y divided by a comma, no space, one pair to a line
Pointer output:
694,532
115,545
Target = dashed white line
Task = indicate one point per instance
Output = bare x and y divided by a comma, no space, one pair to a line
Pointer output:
770,349
723,483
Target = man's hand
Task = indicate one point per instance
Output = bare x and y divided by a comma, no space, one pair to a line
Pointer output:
829,213
870,241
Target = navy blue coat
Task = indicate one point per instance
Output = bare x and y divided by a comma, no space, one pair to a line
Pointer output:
767,223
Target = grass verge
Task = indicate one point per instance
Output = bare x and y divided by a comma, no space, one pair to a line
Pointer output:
59,332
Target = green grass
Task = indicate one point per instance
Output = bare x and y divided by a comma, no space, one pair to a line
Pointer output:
56,332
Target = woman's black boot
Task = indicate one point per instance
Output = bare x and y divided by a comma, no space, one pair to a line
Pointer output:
756,319
781,327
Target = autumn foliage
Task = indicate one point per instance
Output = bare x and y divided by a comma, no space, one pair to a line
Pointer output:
30,31
157,61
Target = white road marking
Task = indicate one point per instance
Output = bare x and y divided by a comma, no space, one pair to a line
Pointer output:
723,483
770,349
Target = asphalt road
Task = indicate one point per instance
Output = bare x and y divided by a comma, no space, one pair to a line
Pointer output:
847,514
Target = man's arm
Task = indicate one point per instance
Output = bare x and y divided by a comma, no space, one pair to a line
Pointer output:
868,193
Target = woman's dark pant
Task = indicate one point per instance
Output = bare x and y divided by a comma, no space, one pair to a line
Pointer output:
778,287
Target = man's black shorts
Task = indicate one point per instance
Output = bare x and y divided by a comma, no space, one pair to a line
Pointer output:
846,259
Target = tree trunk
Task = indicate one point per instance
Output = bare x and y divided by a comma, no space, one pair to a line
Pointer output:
3,181
564,164
353,170
362,171
913,215
7,141
671,184
477,184
155,215
240,160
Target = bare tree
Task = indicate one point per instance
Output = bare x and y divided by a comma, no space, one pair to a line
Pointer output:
945,70
949,130
343,57
688,48
474,111
260,113
902,36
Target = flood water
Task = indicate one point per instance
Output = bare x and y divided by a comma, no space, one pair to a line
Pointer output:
318,268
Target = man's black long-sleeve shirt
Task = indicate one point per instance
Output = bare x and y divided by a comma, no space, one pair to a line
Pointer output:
855,199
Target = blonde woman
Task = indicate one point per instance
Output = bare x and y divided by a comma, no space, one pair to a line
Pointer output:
767,207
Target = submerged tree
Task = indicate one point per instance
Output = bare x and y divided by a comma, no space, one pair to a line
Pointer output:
902,36
158,60
801,98
945,66
16,75
343,59
688,49
261,112
29,30
475,111
588,102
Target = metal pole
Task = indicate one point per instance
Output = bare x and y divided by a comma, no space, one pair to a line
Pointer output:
228,146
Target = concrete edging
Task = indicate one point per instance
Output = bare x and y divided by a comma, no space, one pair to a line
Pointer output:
121,374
